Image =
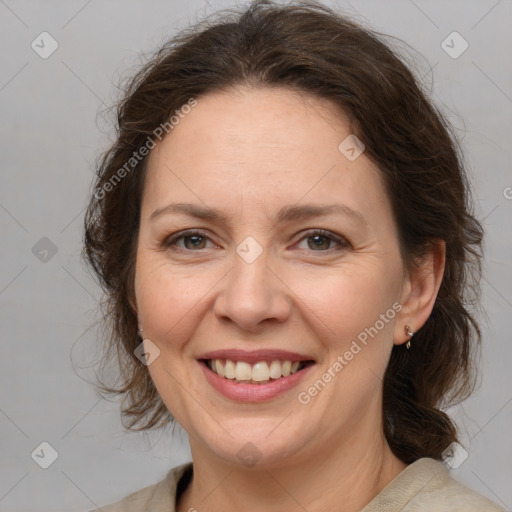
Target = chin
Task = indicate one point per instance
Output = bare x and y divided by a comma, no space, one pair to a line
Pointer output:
255,443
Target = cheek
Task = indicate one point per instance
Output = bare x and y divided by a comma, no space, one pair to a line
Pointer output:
345,315
169,299
345,302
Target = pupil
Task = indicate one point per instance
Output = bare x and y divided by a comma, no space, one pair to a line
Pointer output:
196,238
316,237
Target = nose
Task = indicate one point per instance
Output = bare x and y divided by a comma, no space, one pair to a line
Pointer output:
253,294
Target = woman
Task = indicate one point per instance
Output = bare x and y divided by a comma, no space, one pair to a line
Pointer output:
284,233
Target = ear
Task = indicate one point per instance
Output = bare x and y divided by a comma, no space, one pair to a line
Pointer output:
132,301
419,292
132,296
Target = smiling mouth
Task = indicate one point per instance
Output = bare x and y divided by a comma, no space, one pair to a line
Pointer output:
262,372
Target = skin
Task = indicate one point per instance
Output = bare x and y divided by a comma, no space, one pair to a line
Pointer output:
249,152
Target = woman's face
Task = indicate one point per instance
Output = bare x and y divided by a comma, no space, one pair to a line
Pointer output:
259,278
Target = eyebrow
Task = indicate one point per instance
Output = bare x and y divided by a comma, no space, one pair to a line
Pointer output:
287,213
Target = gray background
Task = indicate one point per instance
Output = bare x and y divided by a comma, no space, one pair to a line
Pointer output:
51,135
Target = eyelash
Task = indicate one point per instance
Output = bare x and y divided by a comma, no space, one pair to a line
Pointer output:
170,242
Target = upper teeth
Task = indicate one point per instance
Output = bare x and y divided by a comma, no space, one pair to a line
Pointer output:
258,372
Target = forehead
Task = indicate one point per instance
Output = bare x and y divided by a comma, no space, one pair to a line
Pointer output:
266,147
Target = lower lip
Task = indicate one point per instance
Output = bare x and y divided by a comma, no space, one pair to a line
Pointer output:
254,393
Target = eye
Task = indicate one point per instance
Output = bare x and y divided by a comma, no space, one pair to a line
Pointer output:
195,241
321,240
192,240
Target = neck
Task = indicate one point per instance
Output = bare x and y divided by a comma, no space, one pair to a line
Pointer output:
345,478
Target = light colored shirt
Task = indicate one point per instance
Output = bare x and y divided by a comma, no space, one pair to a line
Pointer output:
425,485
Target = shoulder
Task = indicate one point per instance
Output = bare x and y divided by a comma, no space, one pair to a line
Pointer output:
427,485
446,493
154,498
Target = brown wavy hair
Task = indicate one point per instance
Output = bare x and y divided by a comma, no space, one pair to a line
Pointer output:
310,48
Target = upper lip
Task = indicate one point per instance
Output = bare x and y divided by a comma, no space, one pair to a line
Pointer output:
255,356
